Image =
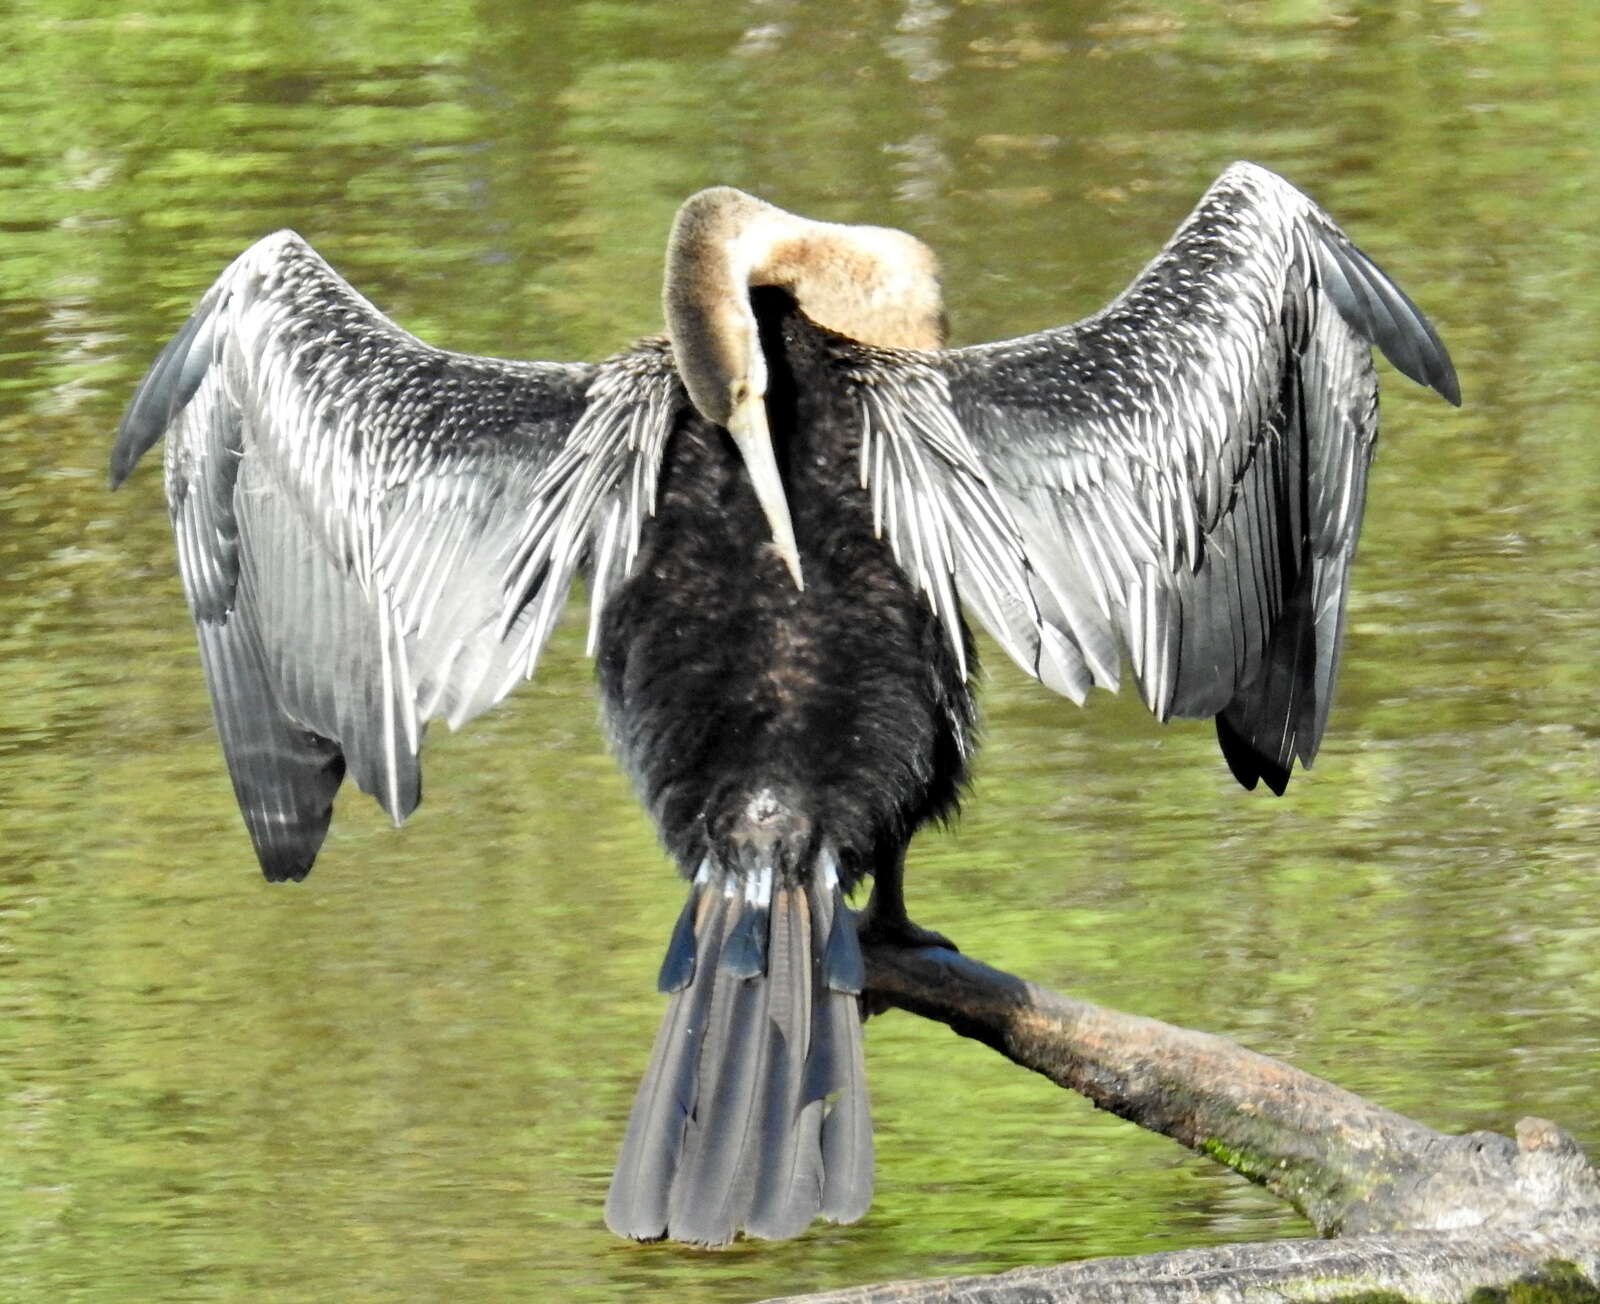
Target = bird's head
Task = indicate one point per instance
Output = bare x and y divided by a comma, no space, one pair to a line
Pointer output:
874,284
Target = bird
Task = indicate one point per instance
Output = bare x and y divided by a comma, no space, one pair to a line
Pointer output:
785,510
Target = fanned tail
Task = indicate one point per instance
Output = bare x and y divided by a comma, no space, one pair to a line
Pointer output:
752,1115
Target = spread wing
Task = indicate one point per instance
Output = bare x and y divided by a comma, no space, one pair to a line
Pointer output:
373,532
1182,474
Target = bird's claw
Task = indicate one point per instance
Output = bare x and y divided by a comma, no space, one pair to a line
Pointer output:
874,930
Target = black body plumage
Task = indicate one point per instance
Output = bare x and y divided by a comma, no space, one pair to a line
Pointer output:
374,533
720,677
787,742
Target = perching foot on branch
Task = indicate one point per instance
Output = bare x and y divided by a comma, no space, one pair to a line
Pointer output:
884,924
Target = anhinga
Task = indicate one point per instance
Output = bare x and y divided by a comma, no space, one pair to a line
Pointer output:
781,512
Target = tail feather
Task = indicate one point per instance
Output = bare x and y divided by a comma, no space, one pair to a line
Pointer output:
847,1131
786,1197
847,1126
666,1099
715,1183
753,1112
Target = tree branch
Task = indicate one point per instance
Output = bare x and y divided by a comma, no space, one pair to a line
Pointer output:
1547,1266
1437,1216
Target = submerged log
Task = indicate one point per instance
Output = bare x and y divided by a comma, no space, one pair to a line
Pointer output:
1419,1214
1429,1267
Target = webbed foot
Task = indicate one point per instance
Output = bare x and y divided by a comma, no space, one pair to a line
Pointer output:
877,926
873,929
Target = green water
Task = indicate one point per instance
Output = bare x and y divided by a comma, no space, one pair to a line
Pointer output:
406,1079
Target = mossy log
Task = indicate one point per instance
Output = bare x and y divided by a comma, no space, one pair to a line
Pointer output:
1417,1214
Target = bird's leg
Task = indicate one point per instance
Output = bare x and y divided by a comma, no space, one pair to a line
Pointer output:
884,921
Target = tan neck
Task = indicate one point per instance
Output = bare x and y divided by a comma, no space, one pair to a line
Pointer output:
873,284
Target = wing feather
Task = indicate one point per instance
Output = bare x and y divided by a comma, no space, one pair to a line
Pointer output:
1228,403
373,532
1179,477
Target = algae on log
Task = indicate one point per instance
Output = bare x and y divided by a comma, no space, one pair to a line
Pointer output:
1421,1215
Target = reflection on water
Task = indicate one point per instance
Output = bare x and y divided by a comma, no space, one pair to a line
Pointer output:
405,1079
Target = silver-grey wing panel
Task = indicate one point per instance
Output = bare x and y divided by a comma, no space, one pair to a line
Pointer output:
373,532
1184,472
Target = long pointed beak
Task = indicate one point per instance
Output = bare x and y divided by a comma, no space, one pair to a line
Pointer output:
748,426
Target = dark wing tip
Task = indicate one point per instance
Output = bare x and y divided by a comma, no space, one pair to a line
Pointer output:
123,461
287,852
286,848
168,385
135,435
285,870
1380,311
1248,763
